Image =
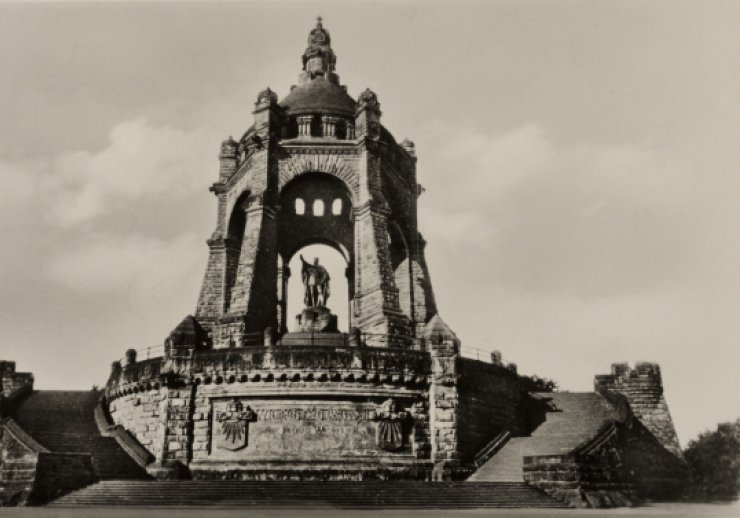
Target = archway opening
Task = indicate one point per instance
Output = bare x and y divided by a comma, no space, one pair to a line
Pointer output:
336,265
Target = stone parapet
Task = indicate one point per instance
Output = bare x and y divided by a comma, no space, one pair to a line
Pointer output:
281,363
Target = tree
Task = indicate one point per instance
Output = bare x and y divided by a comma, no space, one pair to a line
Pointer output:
536,384
714,460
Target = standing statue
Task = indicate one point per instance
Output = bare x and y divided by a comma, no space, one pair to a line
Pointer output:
316,280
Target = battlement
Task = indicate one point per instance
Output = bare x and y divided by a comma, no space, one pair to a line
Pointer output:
642,386
10,380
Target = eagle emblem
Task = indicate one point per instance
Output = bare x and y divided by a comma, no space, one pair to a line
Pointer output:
234,427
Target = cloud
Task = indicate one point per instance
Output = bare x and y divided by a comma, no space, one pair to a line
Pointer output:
597,220
147,273
140,163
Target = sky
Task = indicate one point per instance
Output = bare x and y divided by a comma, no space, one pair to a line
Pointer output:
580,162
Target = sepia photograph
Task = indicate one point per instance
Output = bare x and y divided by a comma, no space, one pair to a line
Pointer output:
370,258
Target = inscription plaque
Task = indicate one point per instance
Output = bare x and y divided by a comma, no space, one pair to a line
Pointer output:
302,429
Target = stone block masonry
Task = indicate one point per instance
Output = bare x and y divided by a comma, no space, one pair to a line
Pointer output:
643,388
10,380
492,401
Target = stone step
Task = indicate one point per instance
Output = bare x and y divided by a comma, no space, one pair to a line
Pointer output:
577,417
395,494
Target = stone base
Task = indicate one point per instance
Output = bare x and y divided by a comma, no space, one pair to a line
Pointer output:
168,470
376,469
316,320
330,339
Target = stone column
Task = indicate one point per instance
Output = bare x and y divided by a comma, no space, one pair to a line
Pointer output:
329,125
304,125
282,282
350,131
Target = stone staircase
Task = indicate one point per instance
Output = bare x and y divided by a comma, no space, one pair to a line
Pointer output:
576,418
326,495
64,422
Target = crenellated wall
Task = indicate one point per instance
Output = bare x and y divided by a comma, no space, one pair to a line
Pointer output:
643,388
10,380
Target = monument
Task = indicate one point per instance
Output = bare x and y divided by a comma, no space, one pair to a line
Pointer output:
245,391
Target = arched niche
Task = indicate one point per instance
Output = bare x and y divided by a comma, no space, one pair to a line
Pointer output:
237,224
296,231
334,259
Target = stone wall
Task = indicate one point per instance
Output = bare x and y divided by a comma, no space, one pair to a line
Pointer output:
10,380
643,388
142,413
655,472
60,473
300,411
619,466
17,468
492,400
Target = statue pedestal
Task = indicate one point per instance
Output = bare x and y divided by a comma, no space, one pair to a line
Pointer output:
317,320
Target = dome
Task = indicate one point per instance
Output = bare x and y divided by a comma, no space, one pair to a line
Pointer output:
319,96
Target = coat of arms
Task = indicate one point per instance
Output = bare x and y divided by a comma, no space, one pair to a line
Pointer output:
234,427
393,426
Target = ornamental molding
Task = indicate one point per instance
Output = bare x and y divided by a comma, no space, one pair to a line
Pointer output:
332,164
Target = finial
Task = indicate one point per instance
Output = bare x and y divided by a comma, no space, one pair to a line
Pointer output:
318,21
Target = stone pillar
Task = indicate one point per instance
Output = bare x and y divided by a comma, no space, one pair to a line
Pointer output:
251,246
443,409
212,300
178,437
213,292
304,125
350,131
425,306
282,283
329,126
376,305
227,159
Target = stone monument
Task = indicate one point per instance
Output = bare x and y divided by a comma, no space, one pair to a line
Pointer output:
236,394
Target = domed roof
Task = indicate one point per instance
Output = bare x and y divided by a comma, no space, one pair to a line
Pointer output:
319,96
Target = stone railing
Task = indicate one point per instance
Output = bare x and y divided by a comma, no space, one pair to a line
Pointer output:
283,363
145,372
490,449
316,358
123,437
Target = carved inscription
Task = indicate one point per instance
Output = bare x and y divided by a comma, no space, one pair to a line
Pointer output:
305,429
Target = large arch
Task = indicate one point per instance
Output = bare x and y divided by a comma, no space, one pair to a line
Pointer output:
334,165
293,291
297,228
315,208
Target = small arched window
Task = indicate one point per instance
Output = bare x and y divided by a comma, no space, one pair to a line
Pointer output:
300,207
318,208
336,207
